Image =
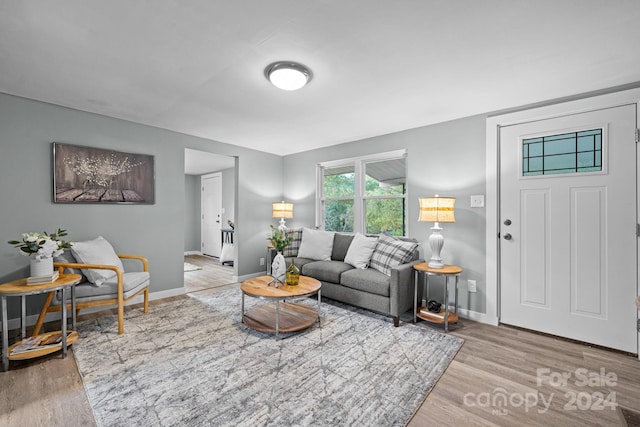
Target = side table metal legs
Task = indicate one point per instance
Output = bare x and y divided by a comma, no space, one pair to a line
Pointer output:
446,301
5,336
425,295
64,322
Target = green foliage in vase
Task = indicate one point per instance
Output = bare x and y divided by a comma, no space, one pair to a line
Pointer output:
278,239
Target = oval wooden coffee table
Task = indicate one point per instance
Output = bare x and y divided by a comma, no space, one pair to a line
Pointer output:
282,315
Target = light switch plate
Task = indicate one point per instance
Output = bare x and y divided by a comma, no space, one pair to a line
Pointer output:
477,201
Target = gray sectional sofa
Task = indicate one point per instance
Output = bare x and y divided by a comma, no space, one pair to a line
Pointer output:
390,294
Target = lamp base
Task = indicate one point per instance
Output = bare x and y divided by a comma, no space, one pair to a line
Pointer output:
282,227
436,241
436,264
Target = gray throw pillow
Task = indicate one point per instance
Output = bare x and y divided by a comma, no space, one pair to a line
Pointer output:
296,239
391,252
96,251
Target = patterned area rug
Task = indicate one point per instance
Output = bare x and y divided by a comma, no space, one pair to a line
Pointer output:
192,362
191,267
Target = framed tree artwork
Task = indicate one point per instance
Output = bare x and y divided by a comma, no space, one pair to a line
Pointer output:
94,175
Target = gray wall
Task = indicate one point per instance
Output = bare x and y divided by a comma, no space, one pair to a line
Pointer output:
192,212
228,196
27,129
447,159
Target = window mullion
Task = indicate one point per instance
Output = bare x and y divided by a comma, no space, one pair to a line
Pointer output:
358,202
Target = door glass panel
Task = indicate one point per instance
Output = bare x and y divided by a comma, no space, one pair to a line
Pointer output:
573,152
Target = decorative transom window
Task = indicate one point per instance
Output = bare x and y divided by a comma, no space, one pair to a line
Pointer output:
572,152
365,194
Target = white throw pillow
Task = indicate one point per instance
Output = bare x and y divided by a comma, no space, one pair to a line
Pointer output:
96,251
360,250
316,244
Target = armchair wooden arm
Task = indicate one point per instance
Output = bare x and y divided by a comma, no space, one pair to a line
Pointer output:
116,300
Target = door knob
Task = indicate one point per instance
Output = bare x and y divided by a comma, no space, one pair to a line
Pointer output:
507,222
507,236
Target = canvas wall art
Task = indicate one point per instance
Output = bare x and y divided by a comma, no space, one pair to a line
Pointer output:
95,175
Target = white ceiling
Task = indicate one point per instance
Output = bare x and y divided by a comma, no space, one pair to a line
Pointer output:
379,66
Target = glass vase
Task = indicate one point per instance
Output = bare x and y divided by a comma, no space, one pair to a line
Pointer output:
293,275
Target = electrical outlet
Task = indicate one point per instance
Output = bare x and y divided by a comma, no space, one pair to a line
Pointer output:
261,261
472,285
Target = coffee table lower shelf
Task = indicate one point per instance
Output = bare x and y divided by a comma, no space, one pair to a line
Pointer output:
293,317
72,336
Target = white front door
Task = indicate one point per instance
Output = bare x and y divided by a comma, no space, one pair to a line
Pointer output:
211,214
568,245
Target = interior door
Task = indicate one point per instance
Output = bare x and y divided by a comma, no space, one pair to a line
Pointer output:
568,251
211,214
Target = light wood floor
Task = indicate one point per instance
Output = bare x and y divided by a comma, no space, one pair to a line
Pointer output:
492,361
212,275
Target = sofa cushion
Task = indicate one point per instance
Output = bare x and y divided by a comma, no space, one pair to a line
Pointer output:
367,280
132,283
360,250
390,252
326,271
299,262
341,244
296,238
316,244
96,251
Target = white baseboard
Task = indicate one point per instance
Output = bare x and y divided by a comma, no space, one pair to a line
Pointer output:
192,253
55,316
478,317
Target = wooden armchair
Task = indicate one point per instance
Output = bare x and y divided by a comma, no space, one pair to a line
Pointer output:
118,290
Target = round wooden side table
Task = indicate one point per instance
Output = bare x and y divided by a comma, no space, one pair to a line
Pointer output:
444,316
19,288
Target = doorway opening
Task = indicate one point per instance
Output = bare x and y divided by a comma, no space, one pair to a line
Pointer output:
210,209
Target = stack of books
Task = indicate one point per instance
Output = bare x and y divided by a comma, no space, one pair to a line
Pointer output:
47,278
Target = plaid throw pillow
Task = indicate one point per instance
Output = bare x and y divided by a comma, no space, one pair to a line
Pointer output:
391,252
296,239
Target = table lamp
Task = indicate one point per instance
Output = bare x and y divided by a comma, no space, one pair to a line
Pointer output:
282,210
436,209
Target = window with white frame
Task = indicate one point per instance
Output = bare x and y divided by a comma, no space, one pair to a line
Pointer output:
365,194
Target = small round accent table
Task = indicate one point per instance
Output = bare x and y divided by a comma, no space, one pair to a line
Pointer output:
281,316
444,316
19,288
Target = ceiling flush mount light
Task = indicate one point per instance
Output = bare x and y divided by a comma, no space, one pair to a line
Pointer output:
288,75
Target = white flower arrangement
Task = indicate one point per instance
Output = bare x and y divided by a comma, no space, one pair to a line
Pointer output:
42,245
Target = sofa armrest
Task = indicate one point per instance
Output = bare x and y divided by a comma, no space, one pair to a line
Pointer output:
401,290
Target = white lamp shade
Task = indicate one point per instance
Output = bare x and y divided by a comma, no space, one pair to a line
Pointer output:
437,209
282,210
